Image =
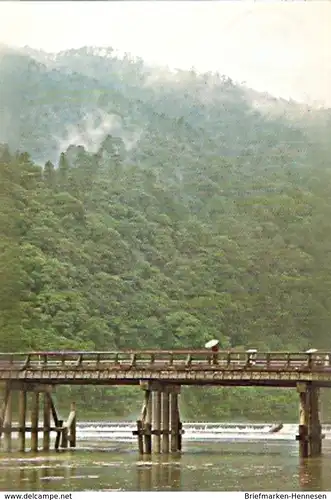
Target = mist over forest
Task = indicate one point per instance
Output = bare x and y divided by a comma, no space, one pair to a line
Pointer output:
149,208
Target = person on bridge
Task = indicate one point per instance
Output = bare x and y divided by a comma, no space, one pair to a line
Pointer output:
251,357
214,346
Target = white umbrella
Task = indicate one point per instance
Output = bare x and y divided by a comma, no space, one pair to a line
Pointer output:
211,343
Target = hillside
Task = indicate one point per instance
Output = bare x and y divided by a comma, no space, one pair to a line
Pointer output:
176,211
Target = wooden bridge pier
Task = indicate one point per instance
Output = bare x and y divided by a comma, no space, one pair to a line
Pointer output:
30,392
160,429
310,429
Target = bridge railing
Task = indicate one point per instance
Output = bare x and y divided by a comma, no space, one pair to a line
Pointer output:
165,359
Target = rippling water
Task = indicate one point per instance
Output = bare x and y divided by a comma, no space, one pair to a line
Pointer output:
215,457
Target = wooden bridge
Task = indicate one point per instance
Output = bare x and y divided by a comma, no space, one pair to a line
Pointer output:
160,373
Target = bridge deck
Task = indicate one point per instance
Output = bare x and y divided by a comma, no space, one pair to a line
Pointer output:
187,367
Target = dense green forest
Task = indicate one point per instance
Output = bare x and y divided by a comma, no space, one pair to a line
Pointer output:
145,209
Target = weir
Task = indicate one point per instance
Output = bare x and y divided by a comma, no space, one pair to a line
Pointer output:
31,378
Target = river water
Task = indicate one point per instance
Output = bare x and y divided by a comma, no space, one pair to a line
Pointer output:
215,457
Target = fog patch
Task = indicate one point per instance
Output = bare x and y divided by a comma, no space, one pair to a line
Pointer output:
93,128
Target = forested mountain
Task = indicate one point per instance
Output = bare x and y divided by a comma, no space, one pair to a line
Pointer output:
145,208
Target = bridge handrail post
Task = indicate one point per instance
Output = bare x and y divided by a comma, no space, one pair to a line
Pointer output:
133,359
288,360
188,361
310,360
79,360
27,361
268,360
63,359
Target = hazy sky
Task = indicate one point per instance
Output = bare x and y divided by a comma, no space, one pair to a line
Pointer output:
280,47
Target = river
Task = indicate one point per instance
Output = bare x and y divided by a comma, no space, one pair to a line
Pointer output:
215,457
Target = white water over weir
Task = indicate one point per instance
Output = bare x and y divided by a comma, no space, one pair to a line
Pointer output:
194,431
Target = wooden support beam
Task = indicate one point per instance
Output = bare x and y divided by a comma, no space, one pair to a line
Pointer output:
174,422
314,425
58,423
140,437
165,422
179,427
4,406
34,420
156,421
160,386
71,424
68,435
302,436
28,428
135,433
147,423
8,417
180,433
47,421
303,425
18,385
64,438
310,430
53,411
301,387
143,411
22,419
58,434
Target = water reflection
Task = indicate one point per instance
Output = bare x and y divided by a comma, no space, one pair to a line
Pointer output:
37,475
162,474
202,467
311,474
